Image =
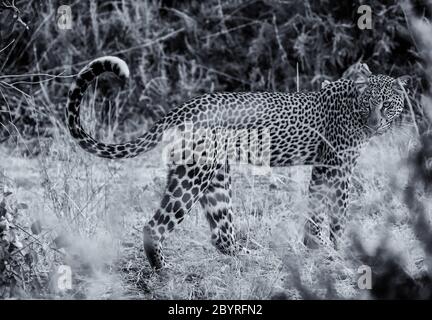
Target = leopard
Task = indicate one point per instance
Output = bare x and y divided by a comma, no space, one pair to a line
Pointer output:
324,129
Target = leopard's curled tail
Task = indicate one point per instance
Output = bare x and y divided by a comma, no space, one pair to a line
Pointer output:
112,151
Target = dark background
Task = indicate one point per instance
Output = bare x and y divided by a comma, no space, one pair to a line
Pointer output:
179,49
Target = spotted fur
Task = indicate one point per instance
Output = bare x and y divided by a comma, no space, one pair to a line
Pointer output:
325,129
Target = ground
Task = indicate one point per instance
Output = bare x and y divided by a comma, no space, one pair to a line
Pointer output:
99,207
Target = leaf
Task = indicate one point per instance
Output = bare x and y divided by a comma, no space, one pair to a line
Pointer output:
61,242
4,225
2,209
36,227
31,258
2,266
8,217
16,242
127,244
4,242
22,206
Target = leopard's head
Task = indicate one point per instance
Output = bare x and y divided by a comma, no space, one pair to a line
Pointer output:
380,100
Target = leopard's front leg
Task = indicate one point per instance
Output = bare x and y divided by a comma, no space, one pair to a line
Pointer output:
317,208
338,204
328,198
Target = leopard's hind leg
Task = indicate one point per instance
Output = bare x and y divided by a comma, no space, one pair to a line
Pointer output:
185,186
193,164
216,202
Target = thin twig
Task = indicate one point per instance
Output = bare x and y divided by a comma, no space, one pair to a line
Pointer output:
1,50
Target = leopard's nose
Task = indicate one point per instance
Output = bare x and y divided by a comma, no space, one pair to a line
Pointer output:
374,119
373,122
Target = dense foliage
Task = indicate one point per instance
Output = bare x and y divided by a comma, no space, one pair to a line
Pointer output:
178,49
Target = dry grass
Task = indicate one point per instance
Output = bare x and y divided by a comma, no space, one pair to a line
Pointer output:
100,206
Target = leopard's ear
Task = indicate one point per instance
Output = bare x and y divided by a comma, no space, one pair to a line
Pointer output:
360,74
401,84
356,70
361,82
325,83
364,68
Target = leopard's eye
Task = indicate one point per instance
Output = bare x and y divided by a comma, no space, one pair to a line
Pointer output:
365,99
386,108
